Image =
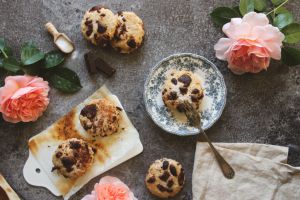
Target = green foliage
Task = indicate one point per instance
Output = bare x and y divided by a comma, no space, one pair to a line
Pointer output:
292,33
11,64
277,2
223,15
53,58
246,6
283,19
260,5
290,56
30,54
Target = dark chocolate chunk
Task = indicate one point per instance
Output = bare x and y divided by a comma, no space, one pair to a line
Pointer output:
89,111
75,144
170,183
94,149
131,43
173,170
181,177
194,98
165,165
185,79
89,32
68,163
101,28
96,8
58,154
195,91
164,176
180,107
88,22
3,195
151,179
102,15
183,90
54,168
172,96
174,81
120,12
94,62
164,189
120,109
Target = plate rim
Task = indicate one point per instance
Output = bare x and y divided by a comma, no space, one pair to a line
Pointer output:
194,56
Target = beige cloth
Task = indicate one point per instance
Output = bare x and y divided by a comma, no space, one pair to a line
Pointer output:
261,173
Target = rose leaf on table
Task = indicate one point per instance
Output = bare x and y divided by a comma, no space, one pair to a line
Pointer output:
30,54
290,56
246,6
53,59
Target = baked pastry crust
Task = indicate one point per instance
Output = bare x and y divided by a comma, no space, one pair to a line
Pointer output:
100,118
73,158
129,33
165,178
182,86
99,25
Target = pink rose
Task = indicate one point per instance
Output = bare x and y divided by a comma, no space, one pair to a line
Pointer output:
251,43
110,188
23,98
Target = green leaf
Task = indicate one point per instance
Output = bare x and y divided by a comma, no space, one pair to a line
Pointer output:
11,64
292,33
260,5
277,2
281,10
223,15
246,6
2,44
284,19
290,56
1,62
64,79
53,59
237,10
30,54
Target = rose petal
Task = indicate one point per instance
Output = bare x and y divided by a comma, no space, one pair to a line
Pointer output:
221,47
256,19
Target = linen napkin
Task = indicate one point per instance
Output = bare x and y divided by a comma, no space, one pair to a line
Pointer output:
261,173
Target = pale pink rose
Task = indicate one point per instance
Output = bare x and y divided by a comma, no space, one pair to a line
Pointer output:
23,98
110,188
251,43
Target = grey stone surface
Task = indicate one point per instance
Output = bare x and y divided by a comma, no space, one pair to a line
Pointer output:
263,108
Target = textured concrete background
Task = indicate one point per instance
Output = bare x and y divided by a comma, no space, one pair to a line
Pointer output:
263,108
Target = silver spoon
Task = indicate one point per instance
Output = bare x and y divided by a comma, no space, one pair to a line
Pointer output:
195,120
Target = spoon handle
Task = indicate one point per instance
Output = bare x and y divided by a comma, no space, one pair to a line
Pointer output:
52,30
225,167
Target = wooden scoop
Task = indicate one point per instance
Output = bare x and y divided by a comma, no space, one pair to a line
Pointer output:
62,41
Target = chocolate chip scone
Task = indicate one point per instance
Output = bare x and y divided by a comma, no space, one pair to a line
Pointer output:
182,86
165,178
129,34
99,25
73,158
100,118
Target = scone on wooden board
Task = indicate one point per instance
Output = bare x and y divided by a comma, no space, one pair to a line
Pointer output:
109,151
6,192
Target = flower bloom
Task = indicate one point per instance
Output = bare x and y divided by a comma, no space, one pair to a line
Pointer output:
251,43
23,98
110,188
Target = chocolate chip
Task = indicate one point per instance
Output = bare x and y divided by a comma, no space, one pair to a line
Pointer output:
101,28
163,188
89,32
151,179
68,163
120,109
54,168
194,98
102,15
172,96
94,149
173,170
88,22
123,19
170,183
131,43
165,165
195,91
183,90
185,79
174,81
89,111
164,176
95,8
180,107
58,154
181,177
75,144
120,12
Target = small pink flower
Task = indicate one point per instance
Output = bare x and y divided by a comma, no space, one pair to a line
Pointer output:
110,188
251,43
23,98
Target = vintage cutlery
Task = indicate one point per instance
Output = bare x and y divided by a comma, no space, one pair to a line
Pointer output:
195,120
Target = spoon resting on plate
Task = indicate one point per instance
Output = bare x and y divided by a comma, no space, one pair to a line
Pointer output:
195,120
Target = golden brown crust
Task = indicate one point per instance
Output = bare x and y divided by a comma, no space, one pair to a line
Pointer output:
73,158
165,178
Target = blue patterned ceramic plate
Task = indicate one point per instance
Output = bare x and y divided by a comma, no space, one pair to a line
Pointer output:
211,80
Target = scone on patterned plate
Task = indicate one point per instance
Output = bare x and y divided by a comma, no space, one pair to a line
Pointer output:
99,25
129,33
180,86
165,178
